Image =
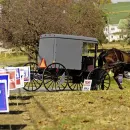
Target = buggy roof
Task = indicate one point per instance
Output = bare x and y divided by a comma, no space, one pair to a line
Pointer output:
62,36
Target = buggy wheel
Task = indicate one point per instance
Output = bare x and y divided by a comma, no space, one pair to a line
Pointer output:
55,77
35,78
100,79
126,74
73,85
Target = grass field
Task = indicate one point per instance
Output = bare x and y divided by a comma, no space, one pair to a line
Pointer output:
12,59
117,11
122,46
68,110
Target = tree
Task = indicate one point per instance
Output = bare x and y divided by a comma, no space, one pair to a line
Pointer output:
23,21
128,30
87,19
103,2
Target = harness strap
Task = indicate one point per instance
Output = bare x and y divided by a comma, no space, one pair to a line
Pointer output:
116,54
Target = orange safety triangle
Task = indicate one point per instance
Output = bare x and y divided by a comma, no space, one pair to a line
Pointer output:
43,63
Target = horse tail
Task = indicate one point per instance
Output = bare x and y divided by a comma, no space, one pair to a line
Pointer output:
101,59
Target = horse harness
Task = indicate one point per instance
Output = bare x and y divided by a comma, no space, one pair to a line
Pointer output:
118,62
116,55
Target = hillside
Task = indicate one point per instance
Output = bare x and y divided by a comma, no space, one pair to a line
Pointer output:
117,11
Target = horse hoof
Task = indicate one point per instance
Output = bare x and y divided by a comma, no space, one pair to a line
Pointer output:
120,88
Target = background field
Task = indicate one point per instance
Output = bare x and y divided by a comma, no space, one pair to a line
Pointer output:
19,59
12,59
117,11
122,46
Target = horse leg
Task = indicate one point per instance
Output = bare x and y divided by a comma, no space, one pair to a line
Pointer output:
116,79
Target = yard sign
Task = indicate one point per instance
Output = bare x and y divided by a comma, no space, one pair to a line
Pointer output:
19,76
87,85
5,77
12,77
26,73
4,105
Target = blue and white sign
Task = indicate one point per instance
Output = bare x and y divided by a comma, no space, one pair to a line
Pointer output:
5,78
21,76
4,105
26,73
17,74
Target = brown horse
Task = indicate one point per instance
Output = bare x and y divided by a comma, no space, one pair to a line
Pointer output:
115,60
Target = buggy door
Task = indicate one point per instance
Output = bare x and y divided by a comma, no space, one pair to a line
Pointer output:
89,55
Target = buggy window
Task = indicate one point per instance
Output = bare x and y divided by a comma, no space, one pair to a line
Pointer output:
88,49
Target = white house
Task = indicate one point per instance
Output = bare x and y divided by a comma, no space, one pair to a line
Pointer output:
113,33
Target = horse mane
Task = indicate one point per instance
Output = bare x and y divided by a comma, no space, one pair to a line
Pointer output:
122,51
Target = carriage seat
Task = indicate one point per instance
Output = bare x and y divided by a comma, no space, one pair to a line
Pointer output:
87,63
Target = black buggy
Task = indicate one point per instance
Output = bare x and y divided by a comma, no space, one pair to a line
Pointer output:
64,61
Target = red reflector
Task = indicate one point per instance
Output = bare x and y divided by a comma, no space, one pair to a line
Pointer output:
43,63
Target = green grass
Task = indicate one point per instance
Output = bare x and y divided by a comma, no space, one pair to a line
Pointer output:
114,18
121,6
117,11
114,85
94,110
12,59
